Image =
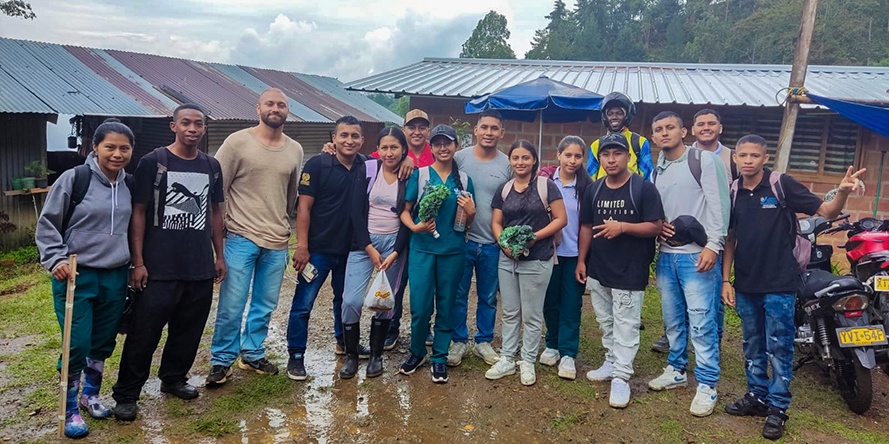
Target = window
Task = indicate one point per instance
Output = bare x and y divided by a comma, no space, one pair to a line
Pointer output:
823,145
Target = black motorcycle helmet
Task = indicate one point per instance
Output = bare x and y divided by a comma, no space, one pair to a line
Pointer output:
618,99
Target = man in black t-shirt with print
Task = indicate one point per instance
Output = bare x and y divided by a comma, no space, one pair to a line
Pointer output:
175,228
620,217
323,237
760,241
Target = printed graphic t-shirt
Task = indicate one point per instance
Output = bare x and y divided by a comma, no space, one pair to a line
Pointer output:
622,262
179,247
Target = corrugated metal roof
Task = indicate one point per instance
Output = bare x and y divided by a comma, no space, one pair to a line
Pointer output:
237,74
336,89
15,98
685,83
64,83
129,85
221,97
135,78
308,95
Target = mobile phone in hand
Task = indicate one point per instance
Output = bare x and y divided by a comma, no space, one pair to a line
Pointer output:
309,273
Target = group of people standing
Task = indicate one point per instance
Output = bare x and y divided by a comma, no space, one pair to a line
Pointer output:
598,224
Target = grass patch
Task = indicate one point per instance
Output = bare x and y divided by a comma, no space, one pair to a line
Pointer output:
176,408
215,425
251,395
564,422
808,420
671,430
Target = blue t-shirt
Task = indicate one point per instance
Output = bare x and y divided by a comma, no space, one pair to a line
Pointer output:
450,241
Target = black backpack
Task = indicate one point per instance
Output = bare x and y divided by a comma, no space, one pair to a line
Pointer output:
81,185
694,164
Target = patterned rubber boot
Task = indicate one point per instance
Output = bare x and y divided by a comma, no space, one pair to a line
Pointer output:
74,425
92,383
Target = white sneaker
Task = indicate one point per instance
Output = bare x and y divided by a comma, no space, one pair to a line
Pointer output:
704,402
529,377
602,373
670,379
486,352
503,367
620,394
566,368
456,353
549,357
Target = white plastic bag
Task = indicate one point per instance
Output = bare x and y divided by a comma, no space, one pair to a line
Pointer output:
379,295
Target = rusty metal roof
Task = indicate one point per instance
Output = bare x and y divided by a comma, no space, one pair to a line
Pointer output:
297,109
681,83
335,88
62,82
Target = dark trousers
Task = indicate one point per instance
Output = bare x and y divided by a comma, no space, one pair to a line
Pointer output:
184,307
398,313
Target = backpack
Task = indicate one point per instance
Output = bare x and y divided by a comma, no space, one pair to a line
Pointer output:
635,191
161,154
82,177
802,248
694,164
543,193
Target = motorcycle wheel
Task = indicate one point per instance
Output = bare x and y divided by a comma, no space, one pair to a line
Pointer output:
856,385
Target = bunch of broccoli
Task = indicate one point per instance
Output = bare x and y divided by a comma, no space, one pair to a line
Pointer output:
433,197
516,238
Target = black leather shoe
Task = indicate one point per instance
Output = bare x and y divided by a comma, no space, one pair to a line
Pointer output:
181,390
126,411
774,426
296,369
749,405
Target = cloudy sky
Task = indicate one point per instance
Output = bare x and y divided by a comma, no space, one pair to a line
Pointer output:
347,40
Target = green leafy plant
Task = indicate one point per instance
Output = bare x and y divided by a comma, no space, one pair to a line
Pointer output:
433,197
516,238
38,169
463,129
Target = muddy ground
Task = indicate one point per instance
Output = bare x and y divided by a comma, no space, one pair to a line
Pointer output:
400,409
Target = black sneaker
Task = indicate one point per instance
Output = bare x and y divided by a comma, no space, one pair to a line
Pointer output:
749,405
296,369
181,390
126,411
439,373
774,426
391,341
261,366
429,339
218,375
411,364
662,345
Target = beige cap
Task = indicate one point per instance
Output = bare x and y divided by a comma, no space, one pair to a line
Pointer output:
416,114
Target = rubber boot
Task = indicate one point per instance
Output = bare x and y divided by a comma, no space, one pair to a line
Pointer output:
378,331
75,427
92,383
351,333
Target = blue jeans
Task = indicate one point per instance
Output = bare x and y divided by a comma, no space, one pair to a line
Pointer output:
359,269
304,300
767,325
685,292
246,262
484,258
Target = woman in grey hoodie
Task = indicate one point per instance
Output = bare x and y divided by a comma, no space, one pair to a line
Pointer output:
96,230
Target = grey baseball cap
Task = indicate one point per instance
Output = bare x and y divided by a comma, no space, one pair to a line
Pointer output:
443,130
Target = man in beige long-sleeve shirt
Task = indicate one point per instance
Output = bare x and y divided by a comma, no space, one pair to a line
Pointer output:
260,170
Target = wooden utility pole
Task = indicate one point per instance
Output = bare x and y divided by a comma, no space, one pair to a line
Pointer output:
797,79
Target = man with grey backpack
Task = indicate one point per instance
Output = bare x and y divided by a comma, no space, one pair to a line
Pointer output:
762,243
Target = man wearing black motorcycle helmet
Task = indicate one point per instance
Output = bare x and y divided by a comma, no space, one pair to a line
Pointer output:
617,113
760,242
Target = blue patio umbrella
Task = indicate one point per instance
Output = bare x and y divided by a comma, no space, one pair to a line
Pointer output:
544,99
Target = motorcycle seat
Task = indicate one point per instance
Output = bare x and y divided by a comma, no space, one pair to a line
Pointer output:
817,280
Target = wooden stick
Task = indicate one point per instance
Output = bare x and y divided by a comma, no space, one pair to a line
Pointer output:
66,342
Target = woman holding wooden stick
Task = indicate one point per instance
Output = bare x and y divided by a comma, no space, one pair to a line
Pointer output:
87,213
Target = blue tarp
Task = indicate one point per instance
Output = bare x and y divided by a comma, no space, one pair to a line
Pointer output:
872,117
559,102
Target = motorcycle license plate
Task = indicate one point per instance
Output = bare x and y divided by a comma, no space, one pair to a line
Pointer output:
881,283
861,336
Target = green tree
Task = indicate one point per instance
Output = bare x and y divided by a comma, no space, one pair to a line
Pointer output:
489,39
554,41
17,8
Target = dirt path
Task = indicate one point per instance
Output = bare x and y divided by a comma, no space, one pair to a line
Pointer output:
399,409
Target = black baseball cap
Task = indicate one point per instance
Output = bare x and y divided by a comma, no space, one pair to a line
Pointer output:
614,140
687,230
443,130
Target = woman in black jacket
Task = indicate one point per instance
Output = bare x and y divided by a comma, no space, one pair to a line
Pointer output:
378,237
